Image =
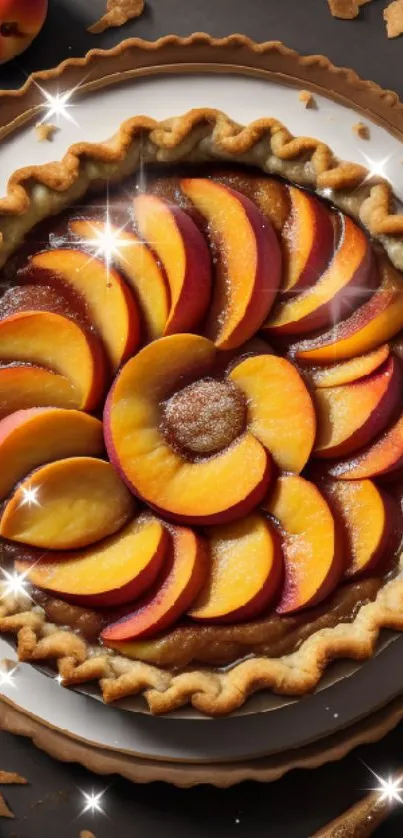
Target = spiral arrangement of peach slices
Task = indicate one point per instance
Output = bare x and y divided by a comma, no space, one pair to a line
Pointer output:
232,475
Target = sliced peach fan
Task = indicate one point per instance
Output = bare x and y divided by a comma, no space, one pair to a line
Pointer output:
243,422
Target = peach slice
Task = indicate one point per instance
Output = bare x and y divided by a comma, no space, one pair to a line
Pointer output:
369,518
213,490
336,292
113,572
245,574
30,438
275,392
140,268
23,386
75,502
249,261
309,239
54,341
383,456
375,322
183,575
185,258
313,560
348,371
351,415
110,304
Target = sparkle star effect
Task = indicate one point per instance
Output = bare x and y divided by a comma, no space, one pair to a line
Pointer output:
7,677
30,496
58,105
13,584
93,802
376,168
107,242
390,788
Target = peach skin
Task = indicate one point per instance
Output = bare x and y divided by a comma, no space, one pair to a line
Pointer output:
184,255
23,386
246,572
348,371
369,518
248,272
383,456
182,577
31,438
54,341
113,572
275,391
77,502
375,322
313,560
20,23
110,305
215,489
309,241
140,268
352,415
339,289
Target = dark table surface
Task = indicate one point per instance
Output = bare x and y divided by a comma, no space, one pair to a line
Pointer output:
303,801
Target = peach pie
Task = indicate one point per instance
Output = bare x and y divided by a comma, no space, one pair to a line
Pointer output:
201,412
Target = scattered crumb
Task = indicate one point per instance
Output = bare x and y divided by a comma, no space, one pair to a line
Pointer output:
5,812
8,778
45,131
345,9
118,12
86,834
393,15
361,130
307,98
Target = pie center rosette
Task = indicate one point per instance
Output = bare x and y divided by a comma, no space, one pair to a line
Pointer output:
242,470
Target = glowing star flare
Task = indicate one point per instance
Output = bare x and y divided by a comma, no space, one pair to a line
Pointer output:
7,677
107,243
14,584
93,802
390,789
30,496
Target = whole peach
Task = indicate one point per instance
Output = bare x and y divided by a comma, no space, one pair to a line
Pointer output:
20,22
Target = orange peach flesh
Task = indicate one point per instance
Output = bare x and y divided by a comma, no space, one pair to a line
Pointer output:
335,292
111,306
383,456
112,572
309,239
280,410
375,322
183,490
140,269
54,341
26,386
348,371
367,518
30,438
183,576
351,415
185,257
77,502
313,562
249,267
245,573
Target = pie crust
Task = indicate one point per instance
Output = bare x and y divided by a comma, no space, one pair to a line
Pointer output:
37,192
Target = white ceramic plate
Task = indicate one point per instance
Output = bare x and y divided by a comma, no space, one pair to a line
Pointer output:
95,118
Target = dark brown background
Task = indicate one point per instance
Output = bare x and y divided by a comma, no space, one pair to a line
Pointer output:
298,805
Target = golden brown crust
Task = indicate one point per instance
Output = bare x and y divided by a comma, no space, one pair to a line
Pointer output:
209,690
118,12
203,134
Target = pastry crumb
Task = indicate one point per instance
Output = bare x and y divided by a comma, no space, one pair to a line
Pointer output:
307,98
344,9
45,131
5,812
8,778
393,15
361,130
117,13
